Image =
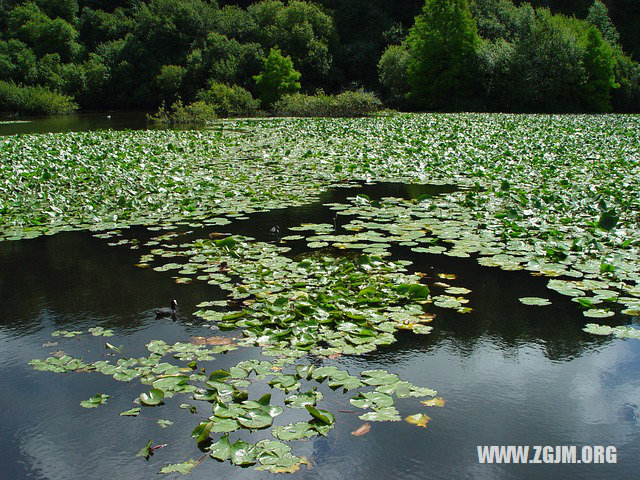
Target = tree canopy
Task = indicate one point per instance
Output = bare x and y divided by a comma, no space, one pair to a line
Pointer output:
433,54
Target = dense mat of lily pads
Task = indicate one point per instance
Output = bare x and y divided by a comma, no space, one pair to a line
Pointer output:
558,195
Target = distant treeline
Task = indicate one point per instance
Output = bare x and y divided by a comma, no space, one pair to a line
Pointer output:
415,54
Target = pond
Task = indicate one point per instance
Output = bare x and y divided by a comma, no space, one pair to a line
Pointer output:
510,374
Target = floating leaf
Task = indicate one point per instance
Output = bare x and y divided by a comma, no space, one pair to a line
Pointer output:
255,419
362,430
184,467
372,399
66,333
294,431
221,450
301,400
100,332
382,415
188,406
598,313
134,412
152,398
419,419
434,402
145,451
95,401
537,301
243,453
322,416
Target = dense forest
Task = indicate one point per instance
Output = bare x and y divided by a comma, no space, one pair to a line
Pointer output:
576,55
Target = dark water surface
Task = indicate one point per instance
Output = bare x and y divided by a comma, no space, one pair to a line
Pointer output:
79,122
511,374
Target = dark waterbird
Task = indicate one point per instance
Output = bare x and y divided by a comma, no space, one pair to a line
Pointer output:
168,312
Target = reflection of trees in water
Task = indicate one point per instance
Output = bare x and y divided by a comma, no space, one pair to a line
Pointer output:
67,274
497,313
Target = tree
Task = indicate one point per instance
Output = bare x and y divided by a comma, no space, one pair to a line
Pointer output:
229,100
278,77
599,65
547,67
599,17
65,9
442,47
32,26
17,61
169,81
392,68
302,30
224,60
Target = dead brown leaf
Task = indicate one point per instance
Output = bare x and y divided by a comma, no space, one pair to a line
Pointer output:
364,429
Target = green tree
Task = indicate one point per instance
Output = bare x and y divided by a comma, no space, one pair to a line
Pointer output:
278,77
302,30
169,81
442,55
224,60
65,9
599,65
32,26
627,97
547,66
17,61
599,17
392,69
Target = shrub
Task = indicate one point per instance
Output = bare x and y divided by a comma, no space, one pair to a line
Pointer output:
356,104
196,113
33,100
392,69
229,100
346,104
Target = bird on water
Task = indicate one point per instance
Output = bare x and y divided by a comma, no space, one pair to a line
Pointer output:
168,312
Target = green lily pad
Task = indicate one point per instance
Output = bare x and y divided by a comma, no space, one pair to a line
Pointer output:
133,412
152,398
385,414
598,313
322,416
221,450
294,431
95,401
537,301
183,468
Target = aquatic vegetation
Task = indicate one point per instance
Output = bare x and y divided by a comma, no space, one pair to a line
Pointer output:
543,194
322,305
95,401
537,301
232,409
620,332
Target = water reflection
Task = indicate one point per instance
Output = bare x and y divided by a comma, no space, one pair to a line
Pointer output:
81,122
511,374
